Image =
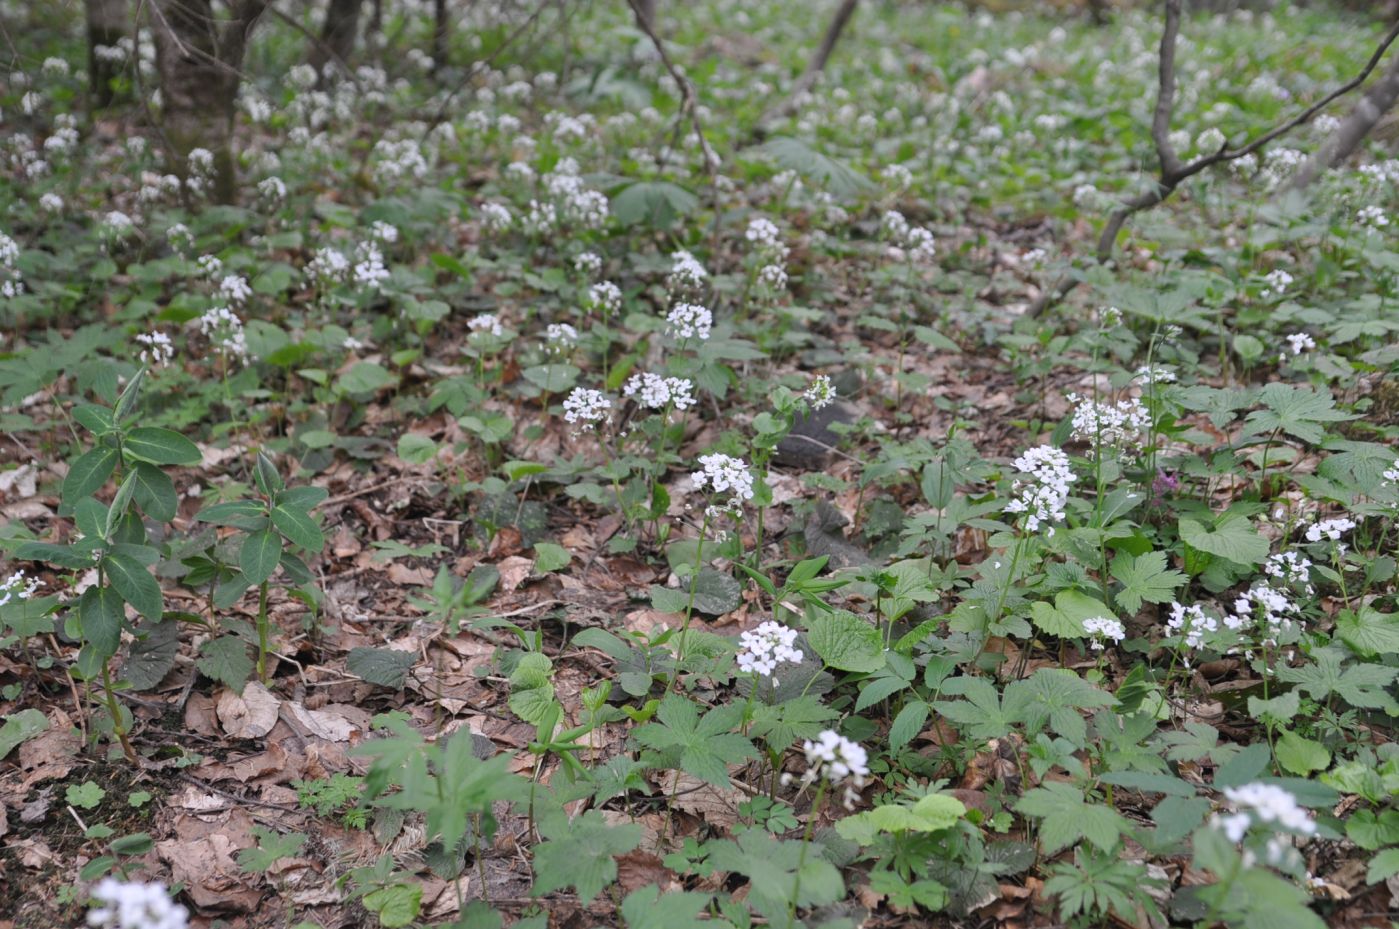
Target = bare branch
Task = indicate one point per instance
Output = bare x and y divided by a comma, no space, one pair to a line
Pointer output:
1166,96
687,89
814,68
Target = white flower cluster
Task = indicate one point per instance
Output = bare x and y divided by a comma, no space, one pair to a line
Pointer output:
18,587
369,272
1372,216
658,393
1120,425
1101,628
1300,343
272,189
488,324
496,217
686,275
225,330
1277,281
398,159
772,278
588,264
1330,530
234,288
766,237
586,408
180,238
1192,625
541,218
761,650
839,761
907,241
1391,476
1270,607
328,266
384,232
1044,490
689,321
821,393
605,296
1290,570
158,351
134,905
578,204
1263,803
11,283
1150,375
560,336
720,474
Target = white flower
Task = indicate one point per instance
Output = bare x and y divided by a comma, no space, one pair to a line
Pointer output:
224,330
1099,628
689,321
764,233
1372,216
1332,529
721,474
1153,374
586,407
657,393
234,288
369,271
158,351
922,248
1209,141
772,278
1191,623
1277,281
55,66
496,217
686,273
1121,424
209,265
329,265
180,238
839,761
1291,569
51,203
19,587
118,224
1044,490
1270,803
272,188
898,176
542,218
1266,604
761,650
561,336
1300,342
384,232
134,906
587,263
821,393
605,296
893,225
488,323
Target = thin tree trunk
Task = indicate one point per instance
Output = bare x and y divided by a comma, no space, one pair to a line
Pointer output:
441,35
107,23
200,59
647,8
814,67
338,35
1344,141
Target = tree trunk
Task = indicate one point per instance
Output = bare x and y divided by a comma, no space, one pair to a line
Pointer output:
441,35
199,59
107,23
338,35
814,68
1354,128
647,8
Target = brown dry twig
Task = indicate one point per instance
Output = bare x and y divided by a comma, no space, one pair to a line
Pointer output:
688,98
1173,171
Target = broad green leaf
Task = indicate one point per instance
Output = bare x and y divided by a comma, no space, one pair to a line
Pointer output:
152,655
1066,819
87,475
656,203
135,584
846,642
300,527
259,555
1144,578
161,446
226,660
581,853
155,492
648,908
20,727
396,905
365,377
1234,539
1301,756
101,613
415,448
1368,631
550,557
387,667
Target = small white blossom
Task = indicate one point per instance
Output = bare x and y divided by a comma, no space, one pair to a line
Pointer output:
1043,491
1099,628
689,321
1271,804
225,330
496,217
18,587
605,296
1121,425
586,407
1191,623
134,905
721,474
158,351
234,288
561,336
1372,216
1331,529
1300,343
1277,282
762,649
487,323
369,272
821,393
686,273
587,263
839,761
657,393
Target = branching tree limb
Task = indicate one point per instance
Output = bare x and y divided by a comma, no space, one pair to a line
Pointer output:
1173,171
688,100
814,68
1344,141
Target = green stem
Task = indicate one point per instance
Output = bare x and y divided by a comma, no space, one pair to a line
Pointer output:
262,631
801,859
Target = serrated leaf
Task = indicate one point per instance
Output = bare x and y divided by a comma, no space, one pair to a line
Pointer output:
648,908
415,448
550,557
1065,818
656,203
846,642
702,747
161,446
908,723
226,660
1301,756
581,853
387,667
271,847
259,555
396,905
1144,578
1234,539
1368,631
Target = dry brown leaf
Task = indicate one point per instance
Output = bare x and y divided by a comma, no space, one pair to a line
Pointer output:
323,724
249,716
50,754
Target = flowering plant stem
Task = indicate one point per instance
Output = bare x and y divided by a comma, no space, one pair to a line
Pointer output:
690,604
262,632
801,858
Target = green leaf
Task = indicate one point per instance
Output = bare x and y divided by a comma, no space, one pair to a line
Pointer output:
101,613
1244,767
1144,578
387,667
1364,684
835,176
300,527
702,747
1065,619
415,448
581,853
240,514
87,475
270,848
365,377
1383,866
135,584
127,401
846,642
908,723
716,592
86,795
226,660
668,599
771,866
1301,756
259,555
155,492
161,446
152,655
1065,818
1233,538
1297,411
1368,631
20,727
532,688
550,557
648,908
121,502
396,905
657,203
